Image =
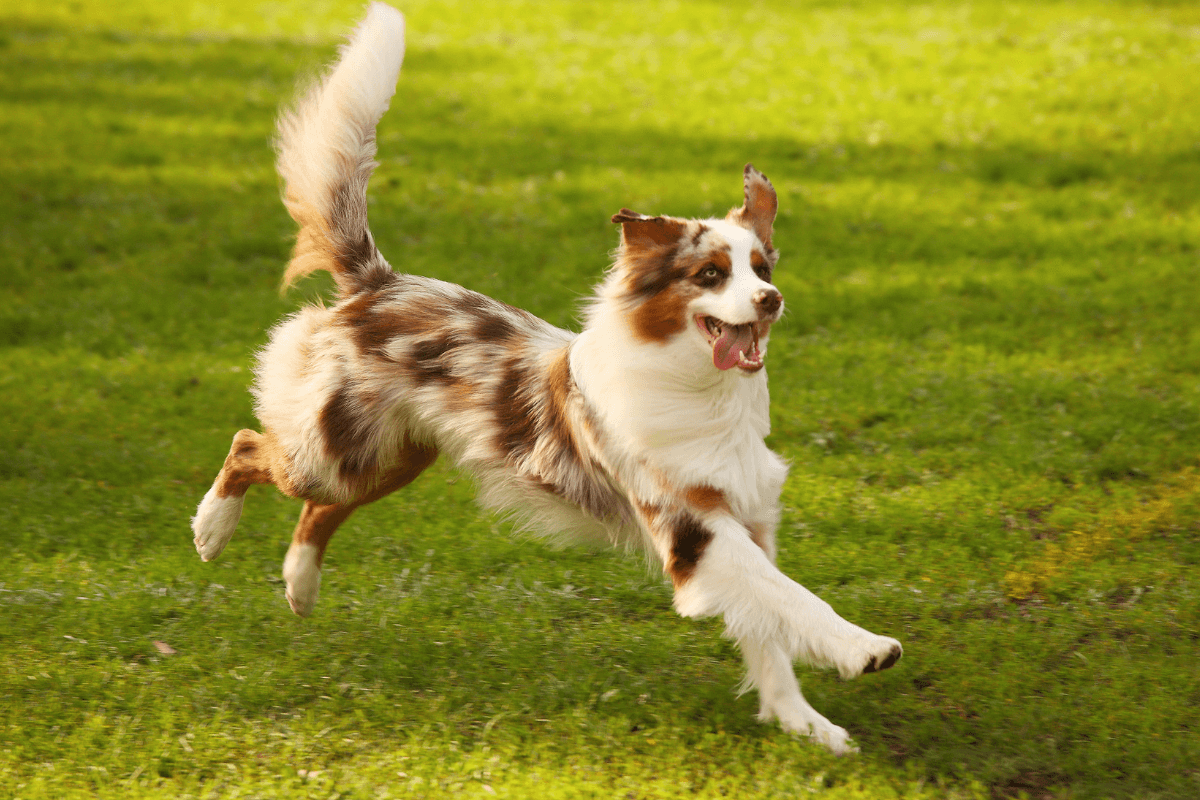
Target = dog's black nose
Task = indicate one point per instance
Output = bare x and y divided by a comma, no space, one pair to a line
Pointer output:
767,301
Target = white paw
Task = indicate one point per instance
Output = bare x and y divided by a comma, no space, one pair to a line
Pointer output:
215,521
303,577
819,729
868,653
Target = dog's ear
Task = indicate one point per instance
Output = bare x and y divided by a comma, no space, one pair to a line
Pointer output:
638,230
758,207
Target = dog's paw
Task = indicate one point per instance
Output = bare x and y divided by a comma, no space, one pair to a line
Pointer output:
215,521
303,577
796,716
887,654
868,653
820,730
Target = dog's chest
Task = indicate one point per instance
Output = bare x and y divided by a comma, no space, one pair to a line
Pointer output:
694,440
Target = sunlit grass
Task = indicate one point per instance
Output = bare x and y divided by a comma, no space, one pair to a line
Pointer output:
988,384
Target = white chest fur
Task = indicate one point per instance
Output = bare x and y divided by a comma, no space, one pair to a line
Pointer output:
678,417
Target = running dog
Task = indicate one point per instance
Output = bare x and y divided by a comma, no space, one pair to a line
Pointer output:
644,429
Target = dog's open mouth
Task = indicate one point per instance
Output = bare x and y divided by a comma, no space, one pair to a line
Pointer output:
734,345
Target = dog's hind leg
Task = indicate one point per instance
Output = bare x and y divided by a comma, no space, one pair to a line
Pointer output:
318,522
302,565
217,516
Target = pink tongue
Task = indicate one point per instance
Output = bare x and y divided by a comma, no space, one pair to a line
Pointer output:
734,341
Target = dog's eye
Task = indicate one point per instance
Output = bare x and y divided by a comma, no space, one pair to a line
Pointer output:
763,272
712,273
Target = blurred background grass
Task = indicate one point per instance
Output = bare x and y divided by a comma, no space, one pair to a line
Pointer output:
987,384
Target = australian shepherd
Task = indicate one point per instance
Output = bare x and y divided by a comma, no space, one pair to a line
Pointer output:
646,428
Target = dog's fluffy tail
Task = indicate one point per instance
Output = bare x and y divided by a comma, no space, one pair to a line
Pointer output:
326,147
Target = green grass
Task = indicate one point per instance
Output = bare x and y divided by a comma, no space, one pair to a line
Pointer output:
988,384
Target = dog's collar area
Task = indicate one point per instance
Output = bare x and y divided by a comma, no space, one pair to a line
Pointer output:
733,345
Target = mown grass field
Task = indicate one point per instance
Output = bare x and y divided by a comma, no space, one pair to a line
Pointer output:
988,384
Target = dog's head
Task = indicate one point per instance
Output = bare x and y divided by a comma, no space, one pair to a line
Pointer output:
707,282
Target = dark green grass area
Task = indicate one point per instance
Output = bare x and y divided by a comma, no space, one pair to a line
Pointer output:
987,382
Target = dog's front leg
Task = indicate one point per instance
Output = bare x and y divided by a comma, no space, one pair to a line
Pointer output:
723,572
717,568
769,670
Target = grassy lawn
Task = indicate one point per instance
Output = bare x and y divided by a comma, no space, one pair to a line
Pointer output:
988,384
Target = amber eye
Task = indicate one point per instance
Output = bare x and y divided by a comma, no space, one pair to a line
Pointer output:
712,273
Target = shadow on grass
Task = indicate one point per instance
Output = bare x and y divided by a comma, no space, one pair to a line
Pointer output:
117,188
126,182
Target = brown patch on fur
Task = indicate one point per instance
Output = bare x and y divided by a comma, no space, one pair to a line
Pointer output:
254,458
414,320
475,303
761,265
647,261
244,466
428,359
312,251
759,206
374,320
592,426
559,385
649,512
414,459
494,328
706,498
370,329
347,437
649,271
317,524
718,258
700,263
244,447
665,281
592,494
529,412
663,315
493,319
353,259
638,230
515,418
355,256
689,539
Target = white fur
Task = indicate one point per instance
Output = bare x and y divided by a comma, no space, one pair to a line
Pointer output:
301,361
302,572
770,670
733,303
736,581
215,521
674,415
354,97
668,404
